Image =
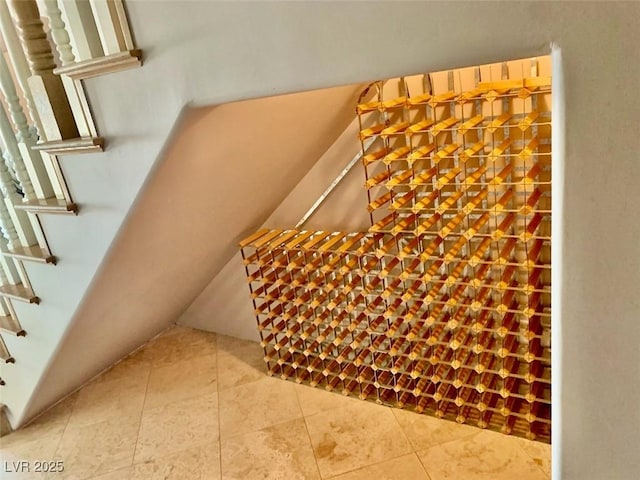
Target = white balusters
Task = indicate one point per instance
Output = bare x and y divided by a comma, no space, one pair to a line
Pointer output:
10,272
13,102
4,307
3,276
25,159
14,158
20,221
33,38
100,37
8,189
58,32
19,62
6,224
74,90
81,28
46,87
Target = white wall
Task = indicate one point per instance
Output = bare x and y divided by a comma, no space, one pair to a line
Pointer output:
217,52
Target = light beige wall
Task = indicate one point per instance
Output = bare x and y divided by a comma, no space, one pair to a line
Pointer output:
224,306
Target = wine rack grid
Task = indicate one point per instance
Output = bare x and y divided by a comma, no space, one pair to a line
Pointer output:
443,306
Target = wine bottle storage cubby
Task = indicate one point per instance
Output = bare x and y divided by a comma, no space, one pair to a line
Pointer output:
443,306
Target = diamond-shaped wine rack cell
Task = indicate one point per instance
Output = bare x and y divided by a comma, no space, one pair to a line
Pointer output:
443,306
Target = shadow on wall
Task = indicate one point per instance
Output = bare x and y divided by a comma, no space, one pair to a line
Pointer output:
221,175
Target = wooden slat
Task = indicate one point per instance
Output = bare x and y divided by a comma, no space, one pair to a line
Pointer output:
420,99
464,128
285,237
497,122
421,152
373,156
267,238
252,238
396,154
443,125
319,236
537,82
420,127
369,132
441,98
331,242
380,201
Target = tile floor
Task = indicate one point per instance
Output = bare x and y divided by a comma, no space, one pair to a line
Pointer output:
193,405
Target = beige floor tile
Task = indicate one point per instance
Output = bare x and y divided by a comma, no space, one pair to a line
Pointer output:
540,453
278,452
98,448
177,426
182,380
484,456
197,463
349,438
315,400
50,423
257,405
179,344
100,401
18,459
120,474
239,362
407,467
424,431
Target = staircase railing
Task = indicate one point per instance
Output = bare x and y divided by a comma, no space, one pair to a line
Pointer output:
45,114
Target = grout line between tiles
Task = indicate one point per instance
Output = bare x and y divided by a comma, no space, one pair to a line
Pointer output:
476,431
66,424
313,451
146,390
218,408
393,413
306,429
423,465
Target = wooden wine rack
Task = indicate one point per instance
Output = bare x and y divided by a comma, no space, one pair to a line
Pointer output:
443,306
